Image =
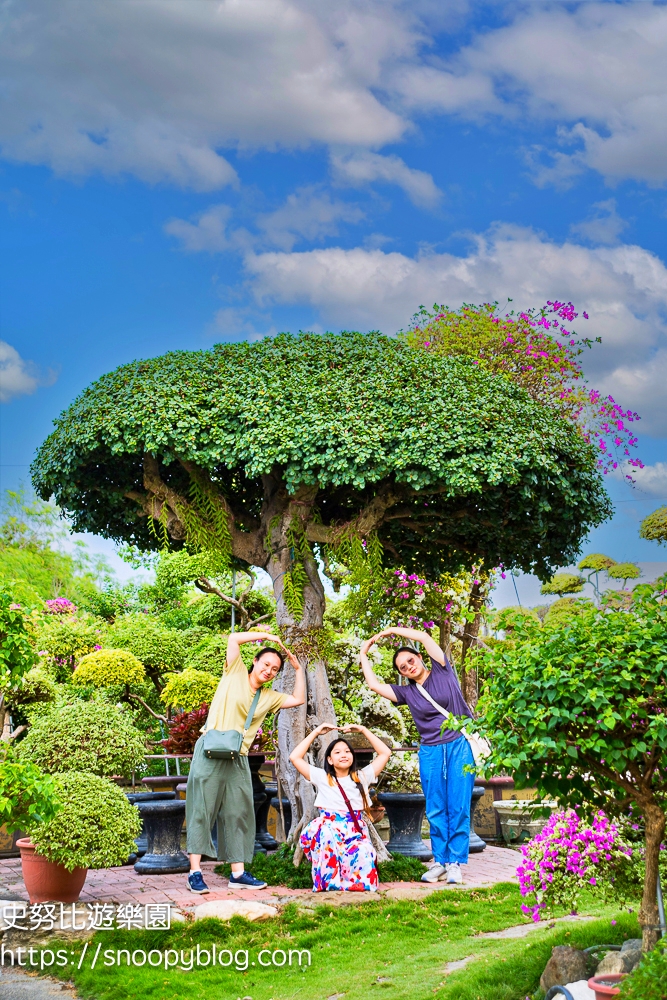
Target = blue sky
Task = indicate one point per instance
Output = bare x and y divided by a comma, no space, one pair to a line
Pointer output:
179,172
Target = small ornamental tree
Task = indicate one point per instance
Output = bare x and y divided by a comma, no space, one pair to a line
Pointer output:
595,563
354,448
580,711
654,527
624,571
563,583
17,656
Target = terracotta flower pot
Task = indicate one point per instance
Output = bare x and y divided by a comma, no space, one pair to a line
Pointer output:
47,882
604,985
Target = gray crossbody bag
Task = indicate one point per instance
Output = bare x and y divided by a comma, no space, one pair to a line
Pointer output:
225,744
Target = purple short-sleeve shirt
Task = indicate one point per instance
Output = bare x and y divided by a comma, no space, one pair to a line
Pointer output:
443,686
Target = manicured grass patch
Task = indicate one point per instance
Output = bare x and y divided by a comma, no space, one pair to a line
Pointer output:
399,948
278,869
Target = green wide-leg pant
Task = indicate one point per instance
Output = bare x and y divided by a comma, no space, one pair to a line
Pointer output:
220,790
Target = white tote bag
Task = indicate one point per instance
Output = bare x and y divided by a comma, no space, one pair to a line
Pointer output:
481,748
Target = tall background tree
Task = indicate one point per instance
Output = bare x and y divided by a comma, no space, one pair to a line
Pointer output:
295,452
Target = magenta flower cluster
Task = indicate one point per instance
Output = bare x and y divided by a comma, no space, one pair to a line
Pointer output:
59,606
565,857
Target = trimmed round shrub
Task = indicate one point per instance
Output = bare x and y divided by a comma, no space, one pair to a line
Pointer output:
108,668
86,736
95,826
189,689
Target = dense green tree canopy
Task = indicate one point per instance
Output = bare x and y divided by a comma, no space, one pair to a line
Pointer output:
446,462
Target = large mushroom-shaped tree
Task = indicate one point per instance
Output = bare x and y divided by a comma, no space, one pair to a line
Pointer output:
352,447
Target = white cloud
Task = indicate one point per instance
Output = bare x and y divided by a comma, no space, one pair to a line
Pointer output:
652,479
363,167
604,225
597,69
17,376
158,89
308,213
207,232
623,288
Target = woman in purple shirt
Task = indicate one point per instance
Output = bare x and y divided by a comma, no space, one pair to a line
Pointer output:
443,755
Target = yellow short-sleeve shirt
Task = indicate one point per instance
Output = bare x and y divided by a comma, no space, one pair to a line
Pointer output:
232,700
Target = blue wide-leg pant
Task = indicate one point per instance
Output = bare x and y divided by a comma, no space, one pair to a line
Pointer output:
448,790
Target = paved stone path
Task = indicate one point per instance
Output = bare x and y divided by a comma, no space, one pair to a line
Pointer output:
123,885
15,985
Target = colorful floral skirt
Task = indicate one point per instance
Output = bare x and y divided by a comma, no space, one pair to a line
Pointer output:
341,858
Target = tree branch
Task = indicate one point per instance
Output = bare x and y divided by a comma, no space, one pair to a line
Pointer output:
156,715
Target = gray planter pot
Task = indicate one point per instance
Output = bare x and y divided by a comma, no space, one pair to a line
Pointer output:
405,812
163,822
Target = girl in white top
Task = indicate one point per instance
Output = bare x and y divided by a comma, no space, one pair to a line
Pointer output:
337,843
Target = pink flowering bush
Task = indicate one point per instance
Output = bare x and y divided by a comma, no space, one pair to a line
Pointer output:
538,349
59,606
569,856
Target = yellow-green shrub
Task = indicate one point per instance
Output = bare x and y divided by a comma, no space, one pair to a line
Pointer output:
109,667
189,689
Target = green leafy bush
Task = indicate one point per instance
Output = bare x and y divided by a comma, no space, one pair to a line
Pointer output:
209,654
649,980
278,869
87,736
189,689
37,686
109,667
95,826
159,648
27,795
66,638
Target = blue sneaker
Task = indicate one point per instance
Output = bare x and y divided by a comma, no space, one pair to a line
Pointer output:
196,883
245,881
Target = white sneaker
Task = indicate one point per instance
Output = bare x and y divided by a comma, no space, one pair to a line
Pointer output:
453,874
434,873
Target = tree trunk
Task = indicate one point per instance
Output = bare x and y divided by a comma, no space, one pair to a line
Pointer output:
648,912
301,636
469,683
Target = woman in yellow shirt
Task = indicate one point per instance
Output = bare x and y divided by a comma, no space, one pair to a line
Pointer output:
220,789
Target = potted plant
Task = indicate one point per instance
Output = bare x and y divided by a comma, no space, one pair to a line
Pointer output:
401,795
93,827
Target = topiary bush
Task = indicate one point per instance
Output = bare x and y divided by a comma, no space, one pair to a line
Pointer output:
86,736
95,826
108,668
159,648
189,689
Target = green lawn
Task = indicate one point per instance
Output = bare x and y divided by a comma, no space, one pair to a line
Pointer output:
393,949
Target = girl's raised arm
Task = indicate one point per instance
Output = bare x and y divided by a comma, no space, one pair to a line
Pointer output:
300,751
381,749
